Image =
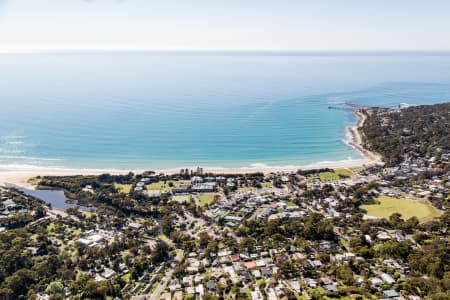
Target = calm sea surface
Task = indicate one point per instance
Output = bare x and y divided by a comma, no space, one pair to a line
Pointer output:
148,110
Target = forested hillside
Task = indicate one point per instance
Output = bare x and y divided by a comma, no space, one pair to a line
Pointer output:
410,132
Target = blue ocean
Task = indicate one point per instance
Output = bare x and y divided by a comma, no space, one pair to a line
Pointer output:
146,110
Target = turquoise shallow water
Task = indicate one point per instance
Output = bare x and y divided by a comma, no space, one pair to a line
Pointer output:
147,110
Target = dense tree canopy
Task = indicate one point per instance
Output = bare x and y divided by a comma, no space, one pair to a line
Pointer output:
413,131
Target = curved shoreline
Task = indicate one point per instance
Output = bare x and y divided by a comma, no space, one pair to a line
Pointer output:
353,139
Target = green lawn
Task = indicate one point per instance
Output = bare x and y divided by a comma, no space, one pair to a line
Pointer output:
406,207
332,176
267,185
161,186
124,188
260,281
206,199
181,198
127,277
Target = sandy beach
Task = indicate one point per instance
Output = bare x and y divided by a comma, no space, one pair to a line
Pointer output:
353,139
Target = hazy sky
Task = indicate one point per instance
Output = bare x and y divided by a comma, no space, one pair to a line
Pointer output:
226,24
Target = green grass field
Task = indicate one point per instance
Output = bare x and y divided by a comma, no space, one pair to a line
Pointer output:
406,207
127,277
333,176
264,185
161,186
267,185
124,188
206,199
181,198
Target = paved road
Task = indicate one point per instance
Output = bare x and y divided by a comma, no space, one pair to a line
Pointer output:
162,285
166,279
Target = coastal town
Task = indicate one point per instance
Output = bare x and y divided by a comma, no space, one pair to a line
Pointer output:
375,231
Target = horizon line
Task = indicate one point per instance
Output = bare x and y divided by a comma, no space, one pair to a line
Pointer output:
280,52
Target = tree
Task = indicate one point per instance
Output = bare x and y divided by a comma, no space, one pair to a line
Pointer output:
166,224
55,287
395,249
96,289
203,239
179,271
289,294
396,220
134,274
287,268
344,273
160,253
20,281
247,245
318,228
411,224
208,296
6,293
